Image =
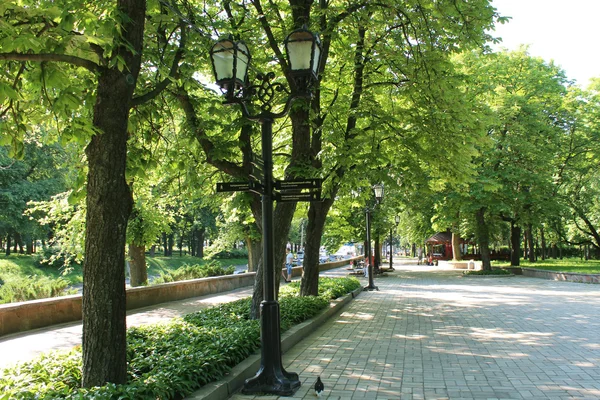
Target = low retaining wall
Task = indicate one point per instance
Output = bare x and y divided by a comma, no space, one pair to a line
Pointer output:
561,276
27,315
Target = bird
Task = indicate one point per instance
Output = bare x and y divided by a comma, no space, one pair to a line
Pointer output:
319,387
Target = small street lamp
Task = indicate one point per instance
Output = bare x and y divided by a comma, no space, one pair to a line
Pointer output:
378,191
230,62
391,242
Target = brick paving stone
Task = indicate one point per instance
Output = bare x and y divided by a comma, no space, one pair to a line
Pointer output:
430,333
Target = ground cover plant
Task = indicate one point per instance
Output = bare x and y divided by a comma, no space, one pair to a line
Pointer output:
576,265
170,360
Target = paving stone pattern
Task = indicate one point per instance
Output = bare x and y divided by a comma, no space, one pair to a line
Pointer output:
432,334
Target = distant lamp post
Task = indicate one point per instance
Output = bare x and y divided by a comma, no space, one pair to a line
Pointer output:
230,61
378,191
391,242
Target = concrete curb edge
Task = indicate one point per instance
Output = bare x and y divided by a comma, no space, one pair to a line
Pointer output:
230,384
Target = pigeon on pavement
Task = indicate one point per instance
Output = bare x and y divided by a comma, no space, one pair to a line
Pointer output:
319,387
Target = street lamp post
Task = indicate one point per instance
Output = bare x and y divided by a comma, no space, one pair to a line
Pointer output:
378,190
230,60
391,241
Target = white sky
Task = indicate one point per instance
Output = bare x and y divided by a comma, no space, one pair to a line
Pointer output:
566,31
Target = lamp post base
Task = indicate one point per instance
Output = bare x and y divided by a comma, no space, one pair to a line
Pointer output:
370,288
271,378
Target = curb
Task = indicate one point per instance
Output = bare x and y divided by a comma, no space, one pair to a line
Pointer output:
234,381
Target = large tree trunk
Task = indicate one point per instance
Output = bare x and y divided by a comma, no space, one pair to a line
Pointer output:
109,203
483,239
515,244
317,214
254,253
456,253
138,272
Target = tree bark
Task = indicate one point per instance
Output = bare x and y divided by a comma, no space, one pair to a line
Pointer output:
109,203
543,238
254,253
171,242
530,245
482,233
138,271
317,213
200,242
515,241
456,253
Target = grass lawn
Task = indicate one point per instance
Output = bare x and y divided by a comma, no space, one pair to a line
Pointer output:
20,265
576,265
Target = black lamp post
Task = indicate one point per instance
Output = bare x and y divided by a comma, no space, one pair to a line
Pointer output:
391,242
230,61
378,190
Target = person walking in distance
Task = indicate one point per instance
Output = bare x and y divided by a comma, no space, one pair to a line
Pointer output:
289,264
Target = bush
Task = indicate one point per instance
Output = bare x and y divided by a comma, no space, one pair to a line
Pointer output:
32,288
495,271
164,361
235,253
51,257
195,271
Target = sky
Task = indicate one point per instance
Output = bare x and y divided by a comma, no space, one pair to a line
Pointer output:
566,31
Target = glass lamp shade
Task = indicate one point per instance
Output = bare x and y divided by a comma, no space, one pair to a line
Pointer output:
378,189
230,62
303,49
397,219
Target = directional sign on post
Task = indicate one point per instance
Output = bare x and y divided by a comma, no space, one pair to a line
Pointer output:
296,184
311,196
233,187
251,186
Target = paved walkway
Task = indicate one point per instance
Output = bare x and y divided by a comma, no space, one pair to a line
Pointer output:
431,334
427,334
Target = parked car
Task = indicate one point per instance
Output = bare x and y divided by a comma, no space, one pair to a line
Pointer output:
323,257
299,258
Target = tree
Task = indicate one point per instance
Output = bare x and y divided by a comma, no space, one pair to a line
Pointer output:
515,169
82,66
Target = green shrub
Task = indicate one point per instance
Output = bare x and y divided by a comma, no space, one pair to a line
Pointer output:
51,257
167,360
32,288
234,253
495,271
195,271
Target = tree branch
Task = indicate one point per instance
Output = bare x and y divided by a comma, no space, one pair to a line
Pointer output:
80,62
172,73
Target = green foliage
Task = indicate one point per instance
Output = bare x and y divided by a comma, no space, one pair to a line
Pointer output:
168,360
67,221
194,271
